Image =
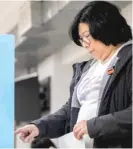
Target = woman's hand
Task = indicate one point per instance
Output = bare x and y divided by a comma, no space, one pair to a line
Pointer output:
28,133
80,129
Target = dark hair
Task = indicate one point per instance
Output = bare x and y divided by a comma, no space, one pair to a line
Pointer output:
105,21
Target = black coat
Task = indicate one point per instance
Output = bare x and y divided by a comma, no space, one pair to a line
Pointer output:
113,125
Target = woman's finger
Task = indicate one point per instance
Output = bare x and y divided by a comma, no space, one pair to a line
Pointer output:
76,131
80,134
23,136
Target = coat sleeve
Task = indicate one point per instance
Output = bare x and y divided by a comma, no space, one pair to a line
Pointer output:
53,125
113,125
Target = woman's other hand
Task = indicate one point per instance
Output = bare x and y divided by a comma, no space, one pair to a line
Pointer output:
80,129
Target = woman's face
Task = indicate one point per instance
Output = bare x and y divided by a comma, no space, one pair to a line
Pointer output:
95,47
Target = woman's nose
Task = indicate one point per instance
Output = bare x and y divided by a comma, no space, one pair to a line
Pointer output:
86,44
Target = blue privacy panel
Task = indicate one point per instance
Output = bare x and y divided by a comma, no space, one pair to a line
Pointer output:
6,91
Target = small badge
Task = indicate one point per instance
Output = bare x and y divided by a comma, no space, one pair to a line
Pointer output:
111,71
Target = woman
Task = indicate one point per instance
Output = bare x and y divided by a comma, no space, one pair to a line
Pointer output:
100,105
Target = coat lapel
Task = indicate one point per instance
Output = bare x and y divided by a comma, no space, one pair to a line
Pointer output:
123,57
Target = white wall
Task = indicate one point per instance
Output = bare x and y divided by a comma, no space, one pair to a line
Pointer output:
12,13
45,68
127,13
60,79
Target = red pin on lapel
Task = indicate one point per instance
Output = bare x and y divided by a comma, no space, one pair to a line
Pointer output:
111,71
